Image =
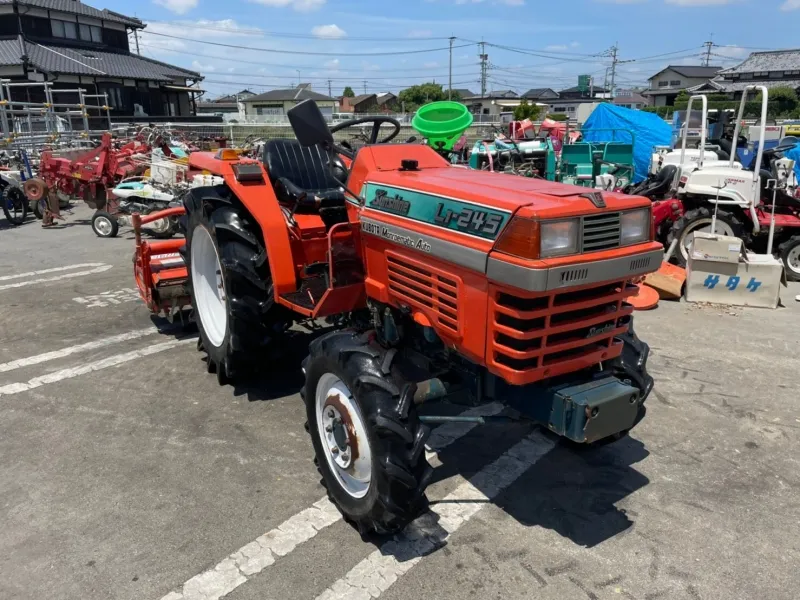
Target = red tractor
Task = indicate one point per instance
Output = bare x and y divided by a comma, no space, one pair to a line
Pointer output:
439,282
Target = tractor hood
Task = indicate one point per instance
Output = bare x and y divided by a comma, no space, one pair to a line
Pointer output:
507,193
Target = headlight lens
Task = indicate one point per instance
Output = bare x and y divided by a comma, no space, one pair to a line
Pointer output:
559,237
635,227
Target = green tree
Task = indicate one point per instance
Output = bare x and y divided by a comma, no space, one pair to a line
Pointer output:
557,117
348,92
417,95
683,96
526,111
782,100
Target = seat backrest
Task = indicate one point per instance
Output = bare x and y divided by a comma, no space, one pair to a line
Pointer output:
305,166
577,153
618,152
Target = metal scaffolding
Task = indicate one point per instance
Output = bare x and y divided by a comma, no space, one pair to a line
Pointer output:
19,119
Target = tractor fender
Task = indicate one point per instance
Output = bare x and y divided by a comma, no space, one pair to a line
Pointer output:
263,207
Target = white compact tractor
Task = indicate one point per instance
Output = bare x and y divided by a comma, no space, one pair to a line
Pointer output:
745,200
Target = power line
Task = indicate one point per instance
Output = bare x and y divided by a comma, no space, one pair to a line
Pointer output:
301,36
303,52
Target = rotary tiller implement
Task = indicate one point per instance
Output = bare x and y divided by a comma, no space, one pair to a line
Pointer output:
443,282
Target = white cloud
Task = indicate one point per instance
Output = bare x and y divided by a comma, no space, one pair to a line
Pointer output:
512,2
731,51
198,66
332,65
298,5
555,47
331,31
366,66
574,44
180,7
700,2
791,5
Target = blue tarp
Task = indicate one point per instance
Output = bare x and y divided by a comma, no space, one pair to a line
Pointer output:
648,129
794,154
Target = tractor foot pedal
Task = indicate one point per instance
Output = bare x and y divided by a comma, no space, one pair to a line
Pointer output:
310,293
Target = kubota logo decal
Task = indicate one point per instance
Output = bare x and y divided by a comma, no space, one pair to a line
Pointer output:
391,235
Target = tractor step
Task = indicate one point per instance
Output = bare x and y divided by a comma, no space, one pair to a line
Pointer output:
310,293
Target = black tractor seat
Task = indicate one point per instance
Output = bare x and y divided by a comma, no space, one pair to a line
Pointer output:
302,176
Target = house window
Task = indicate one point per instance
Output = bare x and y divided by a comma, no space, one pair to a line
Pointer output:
663,83
560,109
776,74
675,82
91,33
792,73
64,29
571,109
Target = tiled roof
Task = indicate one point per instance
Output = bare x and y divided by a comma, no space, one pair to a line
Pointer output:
463,92
78,8
695,71
597,90
778,60
724,86
290,94
57,59
535,93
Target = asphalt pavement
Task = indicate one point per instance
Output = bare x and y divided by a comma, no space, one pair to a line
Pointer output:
127,472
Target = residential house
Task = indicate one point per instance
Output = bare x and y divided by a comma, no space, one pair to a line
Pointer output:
229,106
275,103
577,93
387,102
463,92
672,80
778,68
75,45
630,99
364,104
489,107
540,94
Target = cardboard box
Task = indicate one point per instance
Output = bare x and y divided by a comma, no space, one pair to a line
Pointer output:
755,281
716,248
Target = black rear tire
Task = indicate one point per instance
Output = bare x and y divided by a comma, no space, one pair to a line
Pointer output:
39,207
789,253
695,219
253,318
15,205
400,472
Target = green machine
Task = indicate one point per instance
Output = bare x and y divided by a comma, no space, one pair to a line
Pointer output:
442,124
582,162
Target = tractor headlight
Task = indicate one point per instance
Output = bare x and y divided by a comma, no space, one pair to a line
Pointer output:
559,237
634,227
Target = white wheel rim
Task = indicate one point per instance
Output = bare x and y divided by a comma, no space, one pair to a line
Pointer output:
704,225
160,225
341,430
208,285
793,259
103,225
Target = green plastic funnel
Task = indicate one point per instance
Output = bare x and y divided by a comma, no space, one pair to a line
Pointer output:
442,123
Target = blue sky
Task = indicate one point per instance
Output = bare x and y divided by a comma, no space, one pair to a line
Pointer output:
546,43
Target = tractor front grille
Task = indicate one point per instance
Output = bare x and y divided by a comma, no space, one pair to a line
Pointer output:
600,232
433,291
538,336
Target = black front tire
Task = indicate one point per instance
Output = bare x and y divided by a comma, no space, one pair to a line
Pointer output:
39,208
400,472
788,251
693,220
253,318
15,205
104,224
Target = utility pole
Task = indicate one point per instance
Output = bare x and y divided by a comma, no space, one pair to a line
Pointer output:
450,81
330,92
709,44
613,66
365,86
298,77
484,58
136,37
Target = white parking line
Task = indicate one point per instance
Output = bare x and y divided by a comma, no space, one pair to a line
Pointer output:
98,268
55,354
259,554
382,568
110,361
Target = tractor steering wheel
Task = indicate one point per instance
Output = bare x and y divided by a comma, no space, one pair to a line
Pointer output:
376,129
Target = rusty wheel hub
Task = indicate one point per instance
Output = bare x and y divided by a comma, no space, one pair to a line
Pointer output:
343,435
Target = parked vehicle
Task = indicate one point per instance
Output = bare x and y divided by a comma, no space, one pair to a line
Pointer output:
440,282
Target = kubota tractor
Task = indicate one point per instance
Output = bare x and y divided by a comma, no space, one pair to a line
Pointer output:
441,283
